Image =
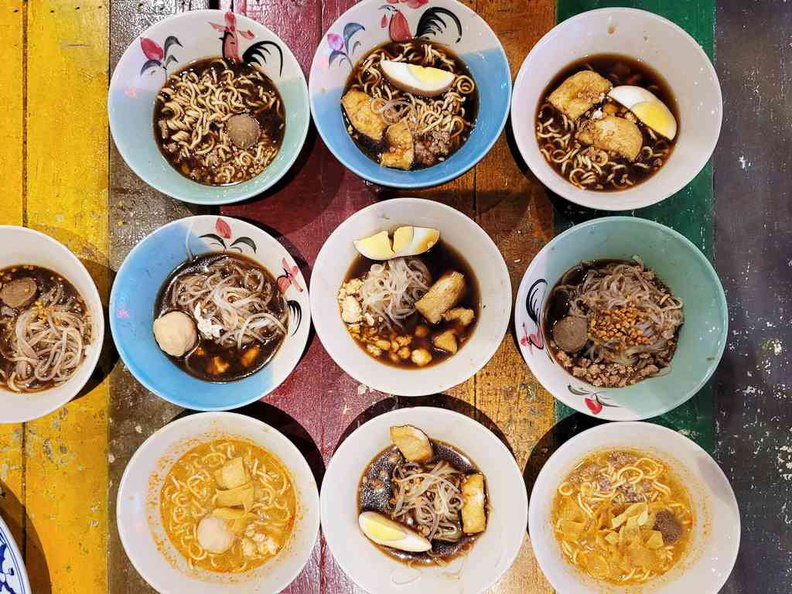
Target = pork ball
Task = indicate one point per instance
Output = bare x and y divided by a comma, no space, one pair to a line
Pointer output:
175,333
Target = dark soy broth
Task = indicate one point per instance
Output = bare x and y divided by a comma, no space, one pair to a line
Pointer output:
374,149
619,70
201,362
376,487
440,259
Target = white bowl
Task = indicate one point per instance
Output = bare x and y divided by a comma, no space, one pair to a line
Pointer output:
374,571
461,233
716,535
139,520
19,245
648,38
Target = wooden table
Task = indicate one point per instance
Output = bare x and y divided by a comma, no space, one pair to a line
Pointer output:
62,175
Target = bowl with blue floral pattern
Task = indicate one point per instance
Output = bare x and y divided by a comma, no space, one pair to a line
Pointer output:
13,576
439,146
181,42
676,264
136,297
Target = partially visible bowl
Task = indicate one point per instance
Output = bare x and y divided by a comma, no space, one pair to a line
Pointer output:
649,38
19,245
134,295
461,233
370,24
12,567
490,557
140,522
679,265
137,80
716,532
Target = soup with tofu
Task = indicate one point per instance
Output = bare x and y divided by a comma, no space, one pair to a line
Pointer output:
623,517
422,501
413,310
228,506
607,122
410,104
221,317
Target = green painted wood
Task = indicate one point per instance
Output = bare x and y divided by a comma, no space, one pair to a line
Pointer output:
690,211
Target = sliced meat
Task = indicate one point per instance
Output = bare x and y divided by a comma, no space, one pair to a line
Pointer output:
579,93
613,134
667,524
357,105
570,333
400,147
19,292
432,147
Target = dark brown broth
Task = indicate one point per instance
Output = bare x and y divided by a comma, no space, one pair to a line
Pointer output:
440,259
200,361
373,149
374,497
272,122
620,70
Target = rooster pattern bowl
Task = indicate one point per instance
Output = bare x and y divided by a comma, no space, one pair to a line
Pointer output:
135,293
372,23
172,44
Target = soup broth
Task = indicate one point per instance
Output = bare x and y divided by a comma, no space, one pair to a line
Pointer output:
596,167
623,517
219,122
239,485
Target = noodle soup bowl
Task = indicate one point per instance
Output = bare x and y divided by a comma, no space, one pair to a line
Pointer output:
490,556
715,536
645,37
678,264
140,523
135,293
19,245
371,23
170,45
460,233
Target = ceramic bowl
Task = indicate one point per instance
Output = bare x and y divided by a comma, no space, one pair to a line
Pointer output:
678,264
371,23
12,567
474,245
165,48
374,571
648,38
143,273
716,533
140,524
19,245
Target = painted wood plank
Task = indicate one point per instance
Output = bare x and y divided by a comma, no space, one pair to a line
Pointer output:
12,55
66,143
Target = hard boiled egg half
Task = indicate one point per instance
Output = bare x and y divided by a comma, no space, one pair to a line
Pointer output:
425,81
385,531
646,107
407,241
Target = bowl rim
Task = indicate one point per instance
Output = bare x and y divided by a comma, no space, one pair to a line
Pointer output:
218,200
92,358
270,431
176,399
373,382
544,477
16,557
697,253
587,198
410,185
503,453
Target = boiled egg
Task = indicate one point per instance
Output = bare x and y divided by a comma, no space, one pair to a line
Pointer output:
425,81
647,108
407,241
384,531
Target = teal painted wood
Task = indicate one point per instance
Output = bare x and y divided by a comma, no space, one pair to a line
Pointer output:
689,211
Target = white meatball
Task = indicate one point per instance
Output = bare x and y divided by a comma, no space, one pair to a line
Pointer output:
214,535
175,333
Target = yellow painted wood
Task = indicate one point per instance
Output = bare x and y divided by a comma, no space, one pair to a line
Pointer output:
67,148
12,15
